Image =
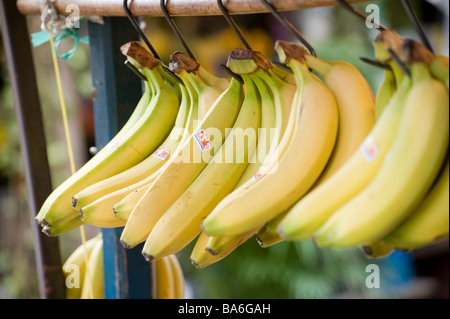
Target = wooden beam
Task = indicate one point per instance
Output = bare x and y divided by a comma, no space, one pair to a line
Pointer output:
175,7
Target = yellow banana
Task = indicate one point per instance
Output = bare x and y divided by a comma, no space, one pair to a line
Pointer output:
63,227
178,276
119,154
356,107
211,249
378,249
308,214
439,69
180,224
268,235
429,222
413,162
144,168
184,166
74,268
165,281
99,212
93,284
385,92
315,122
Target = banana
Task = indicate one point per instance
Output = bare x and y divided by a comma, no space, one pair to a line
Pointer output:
93,284
165,281
125,206
144,168
178,276
413,162
430,219
310,212
310,144
184,166
378,249
62,227
74,268
207,86
439,69
119,154
211,249
100,211
385,92
180,224
268,235
356,107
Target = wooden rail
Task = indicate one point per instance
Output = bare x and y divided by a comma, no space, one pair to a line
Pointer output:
175,7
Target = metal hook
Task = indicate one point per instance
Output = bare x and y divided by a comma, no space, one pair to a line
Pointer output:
233,25
289,26
175,29
359,14
139,30
375,63
135,70
415,21
147,42
399,62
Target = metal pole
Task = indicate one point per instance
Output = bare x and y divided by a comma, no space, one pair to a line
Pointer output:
117,91
32,143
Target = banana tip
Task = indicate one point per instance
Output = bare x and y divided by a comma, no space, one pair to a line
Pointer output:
148,257
211,251
194,263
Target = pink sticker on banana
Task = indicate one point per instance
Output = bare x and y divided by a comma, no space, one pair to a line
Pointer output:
369,149
161,153
202,140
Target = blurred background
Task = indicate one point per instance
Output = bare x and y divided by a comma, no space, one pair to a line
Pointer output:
285,270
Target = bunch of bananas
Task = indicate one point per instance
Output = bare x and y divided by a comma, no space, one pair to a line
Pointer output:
84,278
392,193
307,151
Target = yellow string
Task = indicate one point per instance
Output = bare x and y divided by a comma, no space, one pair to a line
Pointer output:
69,144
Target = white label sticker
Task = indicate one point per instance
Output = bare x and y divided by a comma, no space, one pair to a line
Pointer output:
202,140
115,145
161,153
369,149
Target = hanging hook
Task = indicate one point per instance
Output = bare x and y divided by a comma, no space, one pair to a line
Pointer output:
415,21
375,63
147,42
359,14
175,29
233,25
135,70
139,30
397,60
289,26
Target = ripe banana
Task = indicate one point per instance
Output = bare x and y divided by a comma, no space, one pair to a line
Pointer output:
165,281
356,107
439,69
429,221
180,224
74,268
141,170
178,276
99,212
268,235
184,166
93,284
315,122
62,227
211,249
413,162
385,92
312,211
119,154
378,249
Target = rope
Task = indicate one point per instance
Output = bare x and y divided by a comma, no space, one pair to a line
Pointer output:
51,24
